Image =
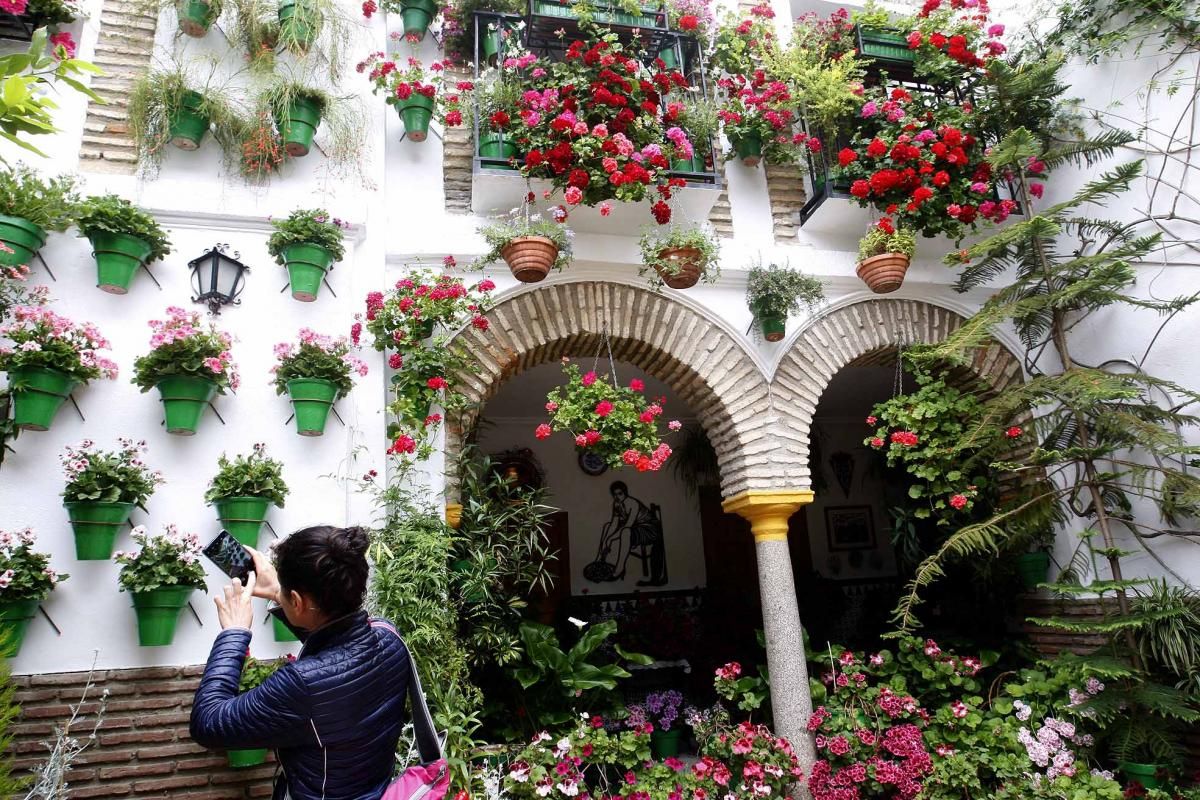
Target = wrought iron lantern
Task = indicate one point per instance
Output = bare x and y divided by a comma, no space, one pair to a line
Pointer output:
217,278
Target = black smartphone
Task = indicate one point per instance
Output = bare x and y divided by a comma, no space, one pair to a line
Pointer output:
230,556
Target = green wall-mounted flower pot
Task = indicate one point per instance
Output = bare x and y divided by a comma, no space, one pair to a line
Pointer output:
243,517
749,150
96,526
118,255
1032,568
416,112
311,399
493,43
773,327
241,759
14,621
497,145
37,395
297,25
184,398
1145,774
188,124
297,131
22,237
195,17
306,265
282,632
417,14
665,744
669,58
158,613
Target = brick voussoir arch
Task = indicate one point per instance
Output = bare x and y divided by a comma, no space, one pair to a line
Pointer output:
706,365
860,333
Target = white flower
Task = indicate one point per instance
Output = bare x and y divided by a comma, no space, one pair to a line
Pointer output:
578,623
563,747
6,578
569,788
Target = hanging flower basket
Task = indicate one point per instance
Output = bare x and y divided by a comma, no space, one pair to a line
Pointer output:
37,395
679,267
188,124
184,398
196,17
243,759
416,113
417,15
311,399
243,517
300,125
22,237
96,525
158,613
680,256
883,273
118,256
530,257
306,265
15,616
297,28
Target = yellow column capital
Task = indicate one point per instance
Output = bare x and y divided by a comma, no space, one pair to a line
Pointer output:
768,510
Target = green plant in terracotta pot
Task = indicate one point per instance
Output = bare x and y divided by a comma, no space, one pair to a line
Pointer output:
26,579
680,255
46,357
254,674
307,242
774,292
189,363
123,238
529,243
103,487
406,85
314,374
161,575
884,255
242,490
30,207
171,107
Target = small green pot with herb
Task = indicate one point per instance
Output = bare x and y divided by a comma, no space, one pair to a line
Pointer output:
774,292
243,489
123,238
680,256
307,243
299,23
31,205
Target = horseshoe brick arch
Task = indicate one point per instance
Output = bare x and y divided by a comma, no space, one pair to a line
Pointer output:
703,363
865,334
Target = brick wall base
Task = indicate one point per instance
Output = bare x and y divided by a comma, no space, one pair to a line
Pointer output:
143,749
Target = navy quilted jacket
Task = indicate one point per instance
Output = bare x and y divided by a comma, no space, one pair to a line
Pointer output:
333,716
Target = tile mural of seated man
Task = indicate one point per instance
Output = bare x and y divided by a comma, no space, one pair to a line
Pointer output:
644,541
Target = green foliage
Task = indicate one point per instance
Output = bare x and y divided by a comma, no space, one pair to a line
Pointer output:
1169,639
656,241
48,203
160,95
520,223
112,214
747,692
28,571
10,713
256,672
29,83
1111,27
163,560
343,119
878,241
318,38
500,557
253,475
109,476
698,118
318,357
779,291
308,226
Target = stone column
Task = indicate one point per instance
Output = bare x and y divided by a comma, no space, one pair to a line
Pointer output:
768,513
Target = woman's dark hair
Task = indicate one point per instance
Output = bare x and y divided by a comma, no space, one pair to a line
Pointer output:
618,486
329,564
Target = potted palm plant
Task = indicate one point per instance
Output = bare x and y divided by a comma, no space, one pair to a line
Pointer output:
161,575
241,491
31,205
169,107
123,238
26,579
680,256
530,244
189,364
307,243
103,487
314,374
774,292
255,674
48,357
883,256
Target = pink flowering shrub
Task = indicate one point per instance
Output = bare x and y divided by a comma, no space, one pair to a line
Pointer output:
616,422
182,345
25,574
319,357
37,338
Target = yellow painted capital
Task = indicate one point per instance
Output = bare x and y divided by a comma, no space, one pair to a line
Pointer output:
768,510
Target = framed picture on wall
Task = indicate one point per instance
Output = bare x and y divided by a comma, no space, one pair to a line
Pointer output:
850,528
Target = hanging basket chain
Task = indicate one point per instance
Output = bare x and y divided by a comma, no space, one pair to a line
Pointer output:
602,347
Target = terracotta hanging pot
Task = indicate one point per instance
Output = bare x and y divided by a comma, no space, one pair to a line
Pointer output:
530,257
883,273
687,262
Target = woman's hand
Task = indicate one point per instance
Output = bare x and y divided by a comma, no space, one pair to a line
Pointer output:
266,583
236,609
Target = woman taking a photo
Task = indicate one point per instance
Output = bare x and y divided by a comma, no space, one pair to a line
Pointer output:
334,715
